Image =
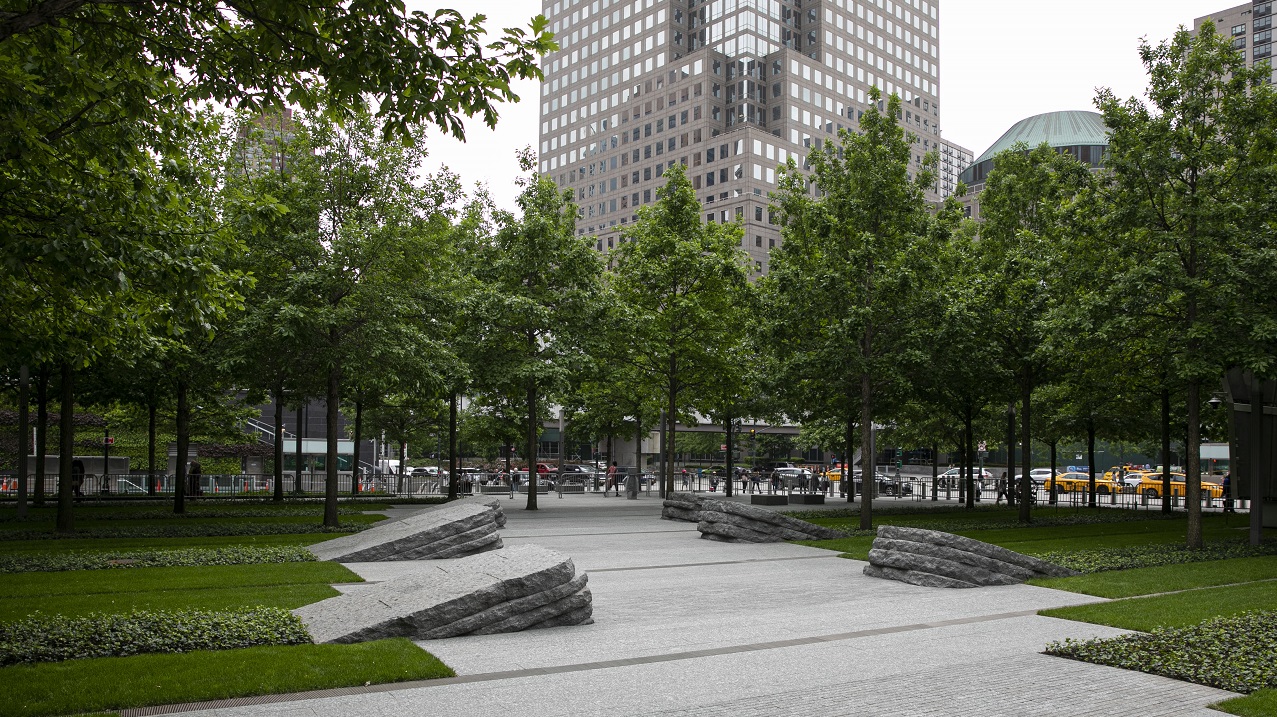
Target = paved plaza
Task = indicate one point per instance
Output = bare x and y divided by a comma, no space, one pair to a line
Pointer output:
685,626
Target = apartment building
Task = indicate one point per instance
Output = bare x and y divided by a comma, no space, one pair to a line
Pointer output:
733,89
1251,28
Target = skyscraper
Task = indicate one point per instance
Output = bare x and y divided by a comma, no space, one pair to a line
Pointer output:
730,88
1250,26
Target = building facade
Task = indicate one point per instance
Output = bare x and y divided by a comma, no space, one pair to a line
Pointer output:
1250,26
953,159
733,89
1081,134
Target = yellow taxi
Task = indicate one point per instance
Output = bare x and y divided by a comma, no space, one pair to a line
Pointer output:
1151,486
1080,483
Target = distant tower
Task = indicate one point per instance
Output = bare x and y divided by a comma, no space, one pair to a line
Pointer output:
729,88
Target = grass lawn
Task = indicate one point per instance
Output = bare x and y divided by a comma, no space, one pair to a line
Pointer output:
107,684
1166,578
19,547
79,592
1177,610
1260,703
142,680
1036,539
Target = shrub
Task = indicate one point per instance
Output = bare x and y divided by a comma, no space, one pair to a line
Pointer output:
1236,653
94,560
53,638
1148,556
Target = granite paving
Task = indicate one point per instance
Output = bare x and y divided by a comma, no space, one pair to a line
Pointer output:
685,626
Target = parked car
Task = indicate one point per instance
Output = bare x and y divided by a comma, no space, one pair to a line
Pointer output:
1151,486
1080,482
1039,475
953,476
887,485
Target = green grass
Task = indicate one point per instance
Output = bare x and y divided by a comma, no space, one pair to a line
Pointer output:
16,547
1260,703
1178,610
89,582
143,680
79,592
1167,578
1034,539
286,597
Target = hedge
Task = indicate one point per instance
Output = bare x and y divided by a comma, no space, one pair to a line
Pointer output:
1148,556
1237,653
53,638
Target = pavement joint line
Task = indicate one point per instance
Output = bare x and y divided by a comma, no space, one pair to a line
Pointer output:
558,669
720,562
604,532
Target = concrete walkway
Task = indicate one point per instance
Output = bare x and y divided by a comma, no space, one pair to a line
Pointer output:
685,626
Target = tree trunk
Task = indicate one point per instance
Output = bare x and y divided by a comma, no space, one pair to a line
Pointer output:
403,461
354,458
41,433
151,410
638,456
66,452
278,470
301,429
332,407
849,436
1026,454
1166,450
729,464
183,447
532,445
454,485
671,420
24,436
1192,464
935,471
968,470
1009,479
1054,490
1090,460
868,472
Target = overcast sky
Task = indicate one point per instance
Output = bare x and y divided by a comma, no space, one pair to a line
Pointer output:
1000,61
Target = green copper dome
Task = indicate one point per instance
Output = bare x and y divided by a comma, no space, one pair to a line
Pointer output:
1071,130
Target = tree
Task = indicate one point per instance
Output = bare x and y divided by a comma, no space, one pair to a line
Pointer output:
680,282
357,293
537,303
1182,197
1026,208
841,287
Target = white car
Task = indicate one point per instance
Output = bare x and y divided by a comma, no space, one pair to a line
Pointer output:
953,475
1039,475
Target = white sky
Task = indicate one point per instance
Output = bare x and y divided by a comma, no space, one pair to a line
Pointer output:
1000,61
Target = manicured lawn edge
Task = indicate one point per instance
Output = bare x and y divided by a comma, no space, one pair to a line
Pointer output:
1260,703
145,680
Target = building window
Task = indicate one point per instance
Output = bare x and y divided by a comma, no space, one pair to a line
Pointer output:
1238,30
758,214
758,241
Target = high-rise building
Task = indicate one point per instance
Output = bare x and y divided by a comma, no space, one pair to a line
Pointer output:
730,88
953,159
261,145
1251,28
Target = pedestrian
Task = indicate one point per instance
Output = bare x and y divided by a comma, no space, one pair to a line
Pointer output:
1228,493
77,478
611,481
193,475
1002,489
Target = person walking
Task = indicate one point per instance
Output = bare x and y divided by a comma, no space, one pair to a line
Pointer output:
1002,489
611,481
